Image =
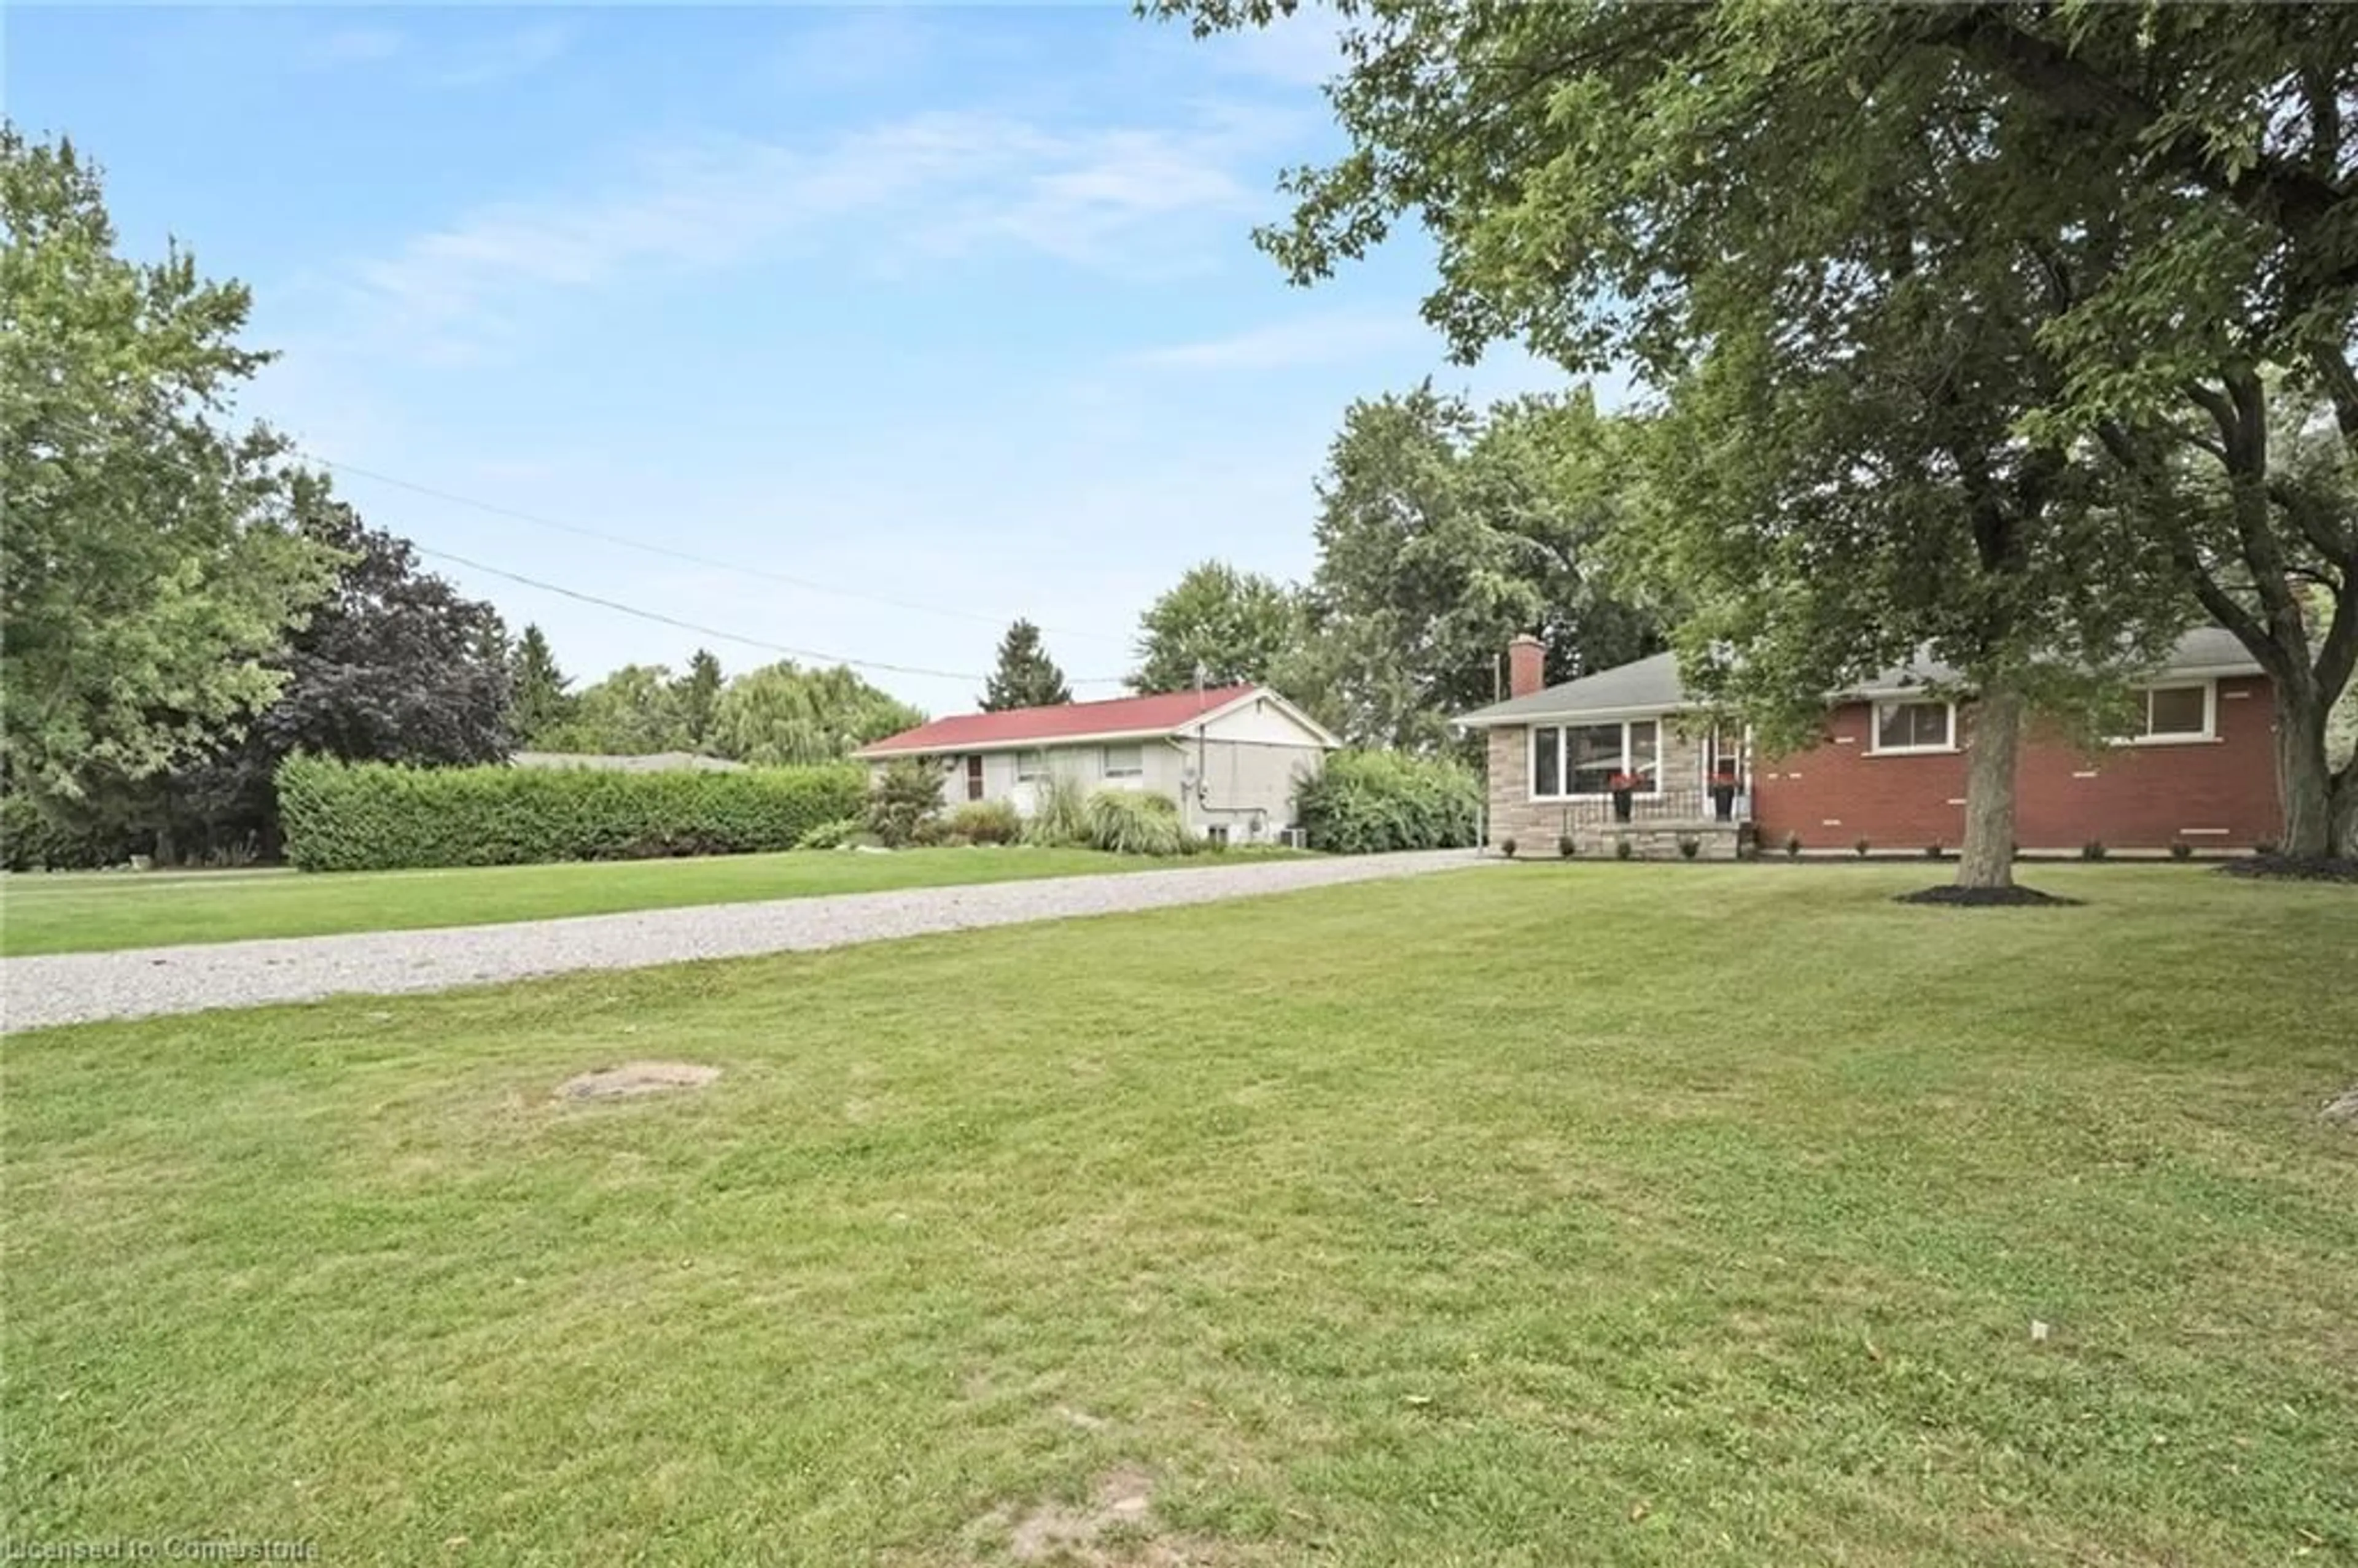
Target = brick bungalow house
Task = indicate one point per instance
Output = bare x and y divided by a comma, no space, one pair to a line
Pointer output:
2199,769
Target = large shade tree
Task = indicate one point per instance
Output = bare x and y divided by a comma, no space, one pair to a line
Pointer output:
151,559
783,713
634,711
1611,182
1217,625
1443,531
394,665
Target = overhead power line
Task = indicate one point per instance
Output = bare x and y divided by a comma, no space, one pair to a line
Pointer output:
626,542
659,617
810,654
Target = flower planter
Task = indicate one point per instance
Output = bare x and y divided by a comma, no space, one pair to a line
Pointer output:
1623,786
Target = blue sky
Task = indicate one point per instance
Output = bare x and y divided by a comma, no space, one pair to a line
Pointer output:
953,306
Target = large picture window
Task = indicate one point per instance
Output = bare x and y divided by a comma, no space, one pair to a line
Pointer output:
1573,759
1915,726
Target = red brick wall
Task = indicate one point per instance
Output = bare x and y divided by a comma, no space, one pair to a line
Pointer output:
2129,796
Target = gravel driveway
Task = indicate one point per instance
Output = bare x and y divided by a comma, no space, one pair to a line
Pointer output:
75,988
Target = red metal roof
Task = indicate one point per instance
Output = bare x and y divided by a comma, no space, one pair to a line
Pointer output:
1154,715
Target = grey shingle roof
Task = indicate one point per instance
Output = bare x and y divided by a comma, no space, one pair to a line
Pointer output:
1654,684
1648,684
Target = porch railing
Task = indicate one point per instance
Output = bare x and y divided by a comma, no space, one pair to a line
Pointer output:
1692,804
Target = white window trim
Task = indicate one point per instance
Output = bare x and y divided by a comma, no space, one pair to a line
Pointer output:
1021,758
1531,757
2210,731
1105,763
1875,746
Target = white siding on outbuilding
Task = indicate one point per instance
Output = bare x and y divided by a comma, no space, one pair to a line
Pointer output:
1234,772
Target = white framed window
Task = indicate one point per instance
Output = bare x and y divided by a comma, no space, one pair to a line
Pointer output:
1915,726
2173,714
1031,767
1125,761
1571,762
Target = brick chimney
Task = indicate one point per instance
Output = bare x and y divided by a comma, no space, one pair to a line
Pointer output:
1526,666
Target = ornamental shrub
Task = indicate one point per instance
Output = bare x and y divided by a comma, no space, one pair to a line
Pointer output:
355,816
1365,803
1060,813
1133,822
904,802
833,834
987,822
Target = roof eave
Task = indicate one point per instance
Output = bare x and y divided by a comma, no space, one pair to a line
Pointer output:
1485,719
1017,743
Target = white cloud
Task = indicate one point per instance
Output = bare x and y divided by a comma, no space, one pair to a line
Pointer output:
942,185
1325,340
350,46
506,58
863,48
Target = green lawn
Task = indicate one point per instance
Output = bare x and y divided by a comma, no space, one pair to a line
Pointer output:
1543,1214
100,911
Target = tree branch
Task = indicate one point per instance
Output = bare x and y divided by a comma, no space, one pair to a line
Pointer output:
2287,196
2221,606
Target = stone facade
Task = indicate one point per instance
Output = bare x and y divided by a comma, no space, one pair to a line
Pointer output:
1537,826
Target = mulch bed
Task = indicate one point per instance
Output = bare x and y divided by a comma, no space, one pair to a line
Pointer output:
2294,868
1986,898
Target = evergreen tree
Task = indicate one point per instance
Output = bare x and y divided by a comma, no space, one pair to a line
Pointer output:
1026,675
699,699
540,702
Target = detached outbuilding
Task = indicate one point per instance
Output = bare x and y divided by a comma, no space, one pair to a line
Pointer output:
1230,758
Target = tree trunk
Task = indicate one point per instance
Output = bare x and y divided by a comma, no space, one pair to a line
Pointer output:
1987,860
2306,786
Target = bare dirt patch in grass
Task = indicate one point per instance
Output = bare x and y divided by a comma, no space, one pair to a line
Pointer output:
1113,1529
637,1078
2342,1109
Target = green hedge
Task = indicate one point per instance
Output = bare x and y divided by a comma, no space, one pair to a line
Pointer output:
31,840
341,817
1366,803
